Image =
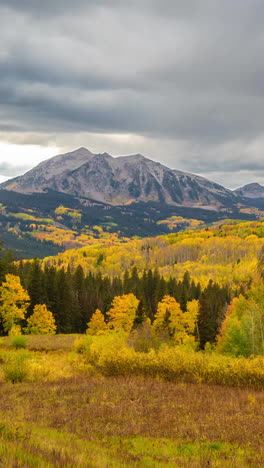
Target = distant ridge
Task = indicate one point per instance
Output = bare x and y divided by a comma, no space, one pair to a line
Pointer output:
253,190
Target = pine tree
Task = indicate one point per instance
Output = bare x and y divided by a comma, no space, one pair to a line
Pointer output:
50,287
213,303
35,286
140,315
63,312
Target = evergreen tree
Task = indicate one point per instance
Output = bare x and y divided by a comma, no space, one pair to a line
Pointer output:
213,304
36,286
140,315
63,312
50,287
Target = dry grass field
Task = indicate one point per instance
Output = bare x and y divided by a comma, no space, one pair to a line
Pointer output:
65,414
44,342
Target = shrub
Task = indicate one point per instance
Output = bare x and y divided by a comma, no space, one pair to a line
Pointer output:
112,357
82,344
146,337
19,342
16,368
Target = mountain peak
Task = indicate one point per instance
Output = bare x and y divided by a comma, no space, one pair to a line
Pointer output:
253,190
120,180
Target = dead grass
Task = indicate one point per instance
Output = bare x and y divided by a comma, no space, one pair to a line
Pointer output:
66,415
44,342
140,420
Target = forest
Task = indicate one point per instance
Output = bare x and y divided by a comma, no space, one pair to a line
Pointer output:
216,272
94,341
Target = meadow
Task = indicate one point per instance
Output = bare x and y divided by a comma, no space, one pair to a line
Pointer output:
68,412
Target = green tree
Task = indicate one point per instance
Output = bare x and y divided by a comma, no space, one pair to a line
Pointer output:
242,332
213,304
35,285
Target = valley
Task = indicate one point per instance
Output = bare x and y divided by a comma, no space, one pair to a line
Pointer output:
131,318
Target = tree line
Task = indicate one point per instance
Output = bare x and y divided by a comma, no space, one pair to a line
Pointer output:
73,297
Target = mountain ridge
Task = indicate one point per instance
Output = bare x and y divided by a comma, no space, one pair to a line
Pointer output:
121,180
252,190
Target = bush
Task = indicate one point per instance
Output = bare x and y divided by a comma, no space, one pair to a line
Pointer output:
145,338
16,368
82,344
19,342
113,357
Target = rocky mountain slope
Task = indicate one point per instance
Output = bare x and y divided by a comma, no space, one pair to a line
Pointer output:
121,180
253,190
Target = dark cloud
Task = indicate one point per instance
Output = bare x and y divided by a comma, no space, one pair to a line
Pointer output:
49,7
170,71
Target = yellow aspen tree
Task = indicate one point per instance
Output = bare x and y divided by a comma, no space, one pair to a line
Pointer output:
97,323
169,316
14,301
190,316
41,322
123,312
180,325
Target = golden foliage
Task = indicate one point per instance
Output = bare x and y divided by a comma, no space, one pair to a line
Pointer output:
225,253
180,325
169,316
112,356
97,323
14,303
41,322
123,312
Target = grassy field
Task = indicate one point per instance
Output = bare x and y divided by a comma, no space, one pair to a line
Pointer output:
44,342
65,414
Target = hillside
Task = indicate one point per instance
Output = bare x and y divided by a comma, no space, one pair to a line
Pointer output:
226,252
250,191
43,224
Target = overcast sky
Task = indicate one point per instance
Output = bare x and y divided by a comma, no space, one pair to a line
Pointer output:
180,81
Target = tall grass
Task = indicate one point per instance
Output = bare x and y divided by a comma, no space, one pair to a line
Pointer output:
19,342
16,367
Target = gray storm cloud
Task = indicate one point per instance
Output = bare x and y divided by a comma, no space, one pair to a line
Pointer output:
187,76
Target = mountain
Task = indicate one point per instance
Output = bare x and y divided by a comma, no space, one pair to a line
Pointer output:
250,191
120,181
41,175
72,198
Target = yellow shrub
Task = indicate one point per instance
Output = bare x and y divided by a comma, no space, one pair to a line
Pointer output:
112,356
